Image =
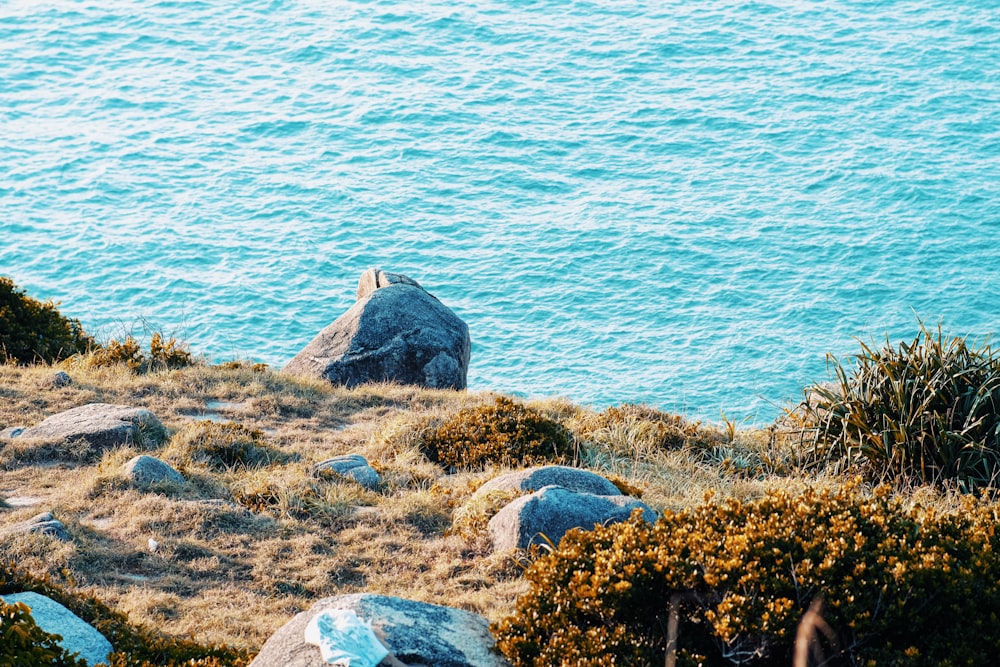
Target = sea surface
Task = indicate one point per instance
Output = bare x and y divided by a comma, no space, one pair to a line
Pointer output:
687,204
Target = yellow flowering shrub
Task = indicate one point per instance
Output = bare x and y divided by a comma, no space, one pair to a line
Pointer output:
504,433
898,586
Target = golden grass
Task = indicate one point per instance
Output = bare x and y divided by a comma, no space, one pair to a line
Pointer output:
218,572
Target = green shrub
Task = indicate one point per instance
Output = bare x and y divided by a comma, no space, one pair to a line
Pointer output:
504,433
928,410
134,646
898,586
32,331
221,446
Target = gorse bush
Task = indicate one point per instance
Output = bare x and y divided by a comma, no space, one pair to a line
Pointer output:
899,586
32,331
23,643
927,410
504,433
163,354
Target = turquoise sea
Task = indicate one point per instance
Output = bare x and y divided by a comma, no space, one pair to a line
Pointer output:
681,203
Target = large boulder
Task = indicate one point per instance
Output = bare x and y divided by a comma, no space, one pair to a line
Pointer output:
416,633
547,514
77,635
100,425
533,479
396,332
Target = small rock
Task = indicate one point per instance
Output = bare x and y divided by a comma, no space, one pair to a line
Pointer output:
352,466
61,379
101,425
533,479
77,635
147,470
415,632
42,524
546,515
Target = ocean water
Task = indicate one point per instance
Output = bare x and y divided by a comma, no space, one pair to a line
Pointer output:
687,204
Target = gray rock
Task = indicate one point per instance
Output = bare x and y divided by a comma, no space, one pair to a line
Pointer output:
101,425
61,379
352,466
416,633
41,524
11,432
394,332
533,479
77,635
374,279
146,470
547,514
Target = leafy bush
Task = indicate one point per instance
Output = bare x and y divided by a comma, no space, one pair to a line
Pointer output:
899,586
32,331
504,433
221,446
163,355
135,646
928,410
22,642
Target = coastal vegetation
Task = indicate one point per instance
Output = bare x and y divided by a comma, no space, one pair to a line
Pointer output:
853,510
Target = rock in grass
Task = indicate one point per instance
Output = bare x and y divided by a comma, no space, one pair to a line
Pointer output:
42,524
351,466
101,425
546,515
145,470
77,635
395,332
416,633
11,432
533,479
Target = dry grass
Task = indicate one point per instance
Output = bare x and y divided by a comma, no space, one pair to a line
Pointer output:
219,572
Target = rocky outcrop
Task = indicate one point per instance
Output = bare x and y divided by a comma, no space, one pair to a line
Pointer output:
100,425
395,332
77,635
351,466
533,479
145,471
547,514
41,524
415,632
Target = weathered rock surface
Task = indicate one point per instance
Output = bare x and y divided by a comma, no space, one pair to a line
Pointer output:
547,514
395,332
145,470
101,425
61,379
77,635
42,524
533,479
352,466
416,633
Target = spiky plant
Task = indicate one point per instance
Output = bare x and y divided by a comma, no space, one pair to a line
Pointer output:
926,411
